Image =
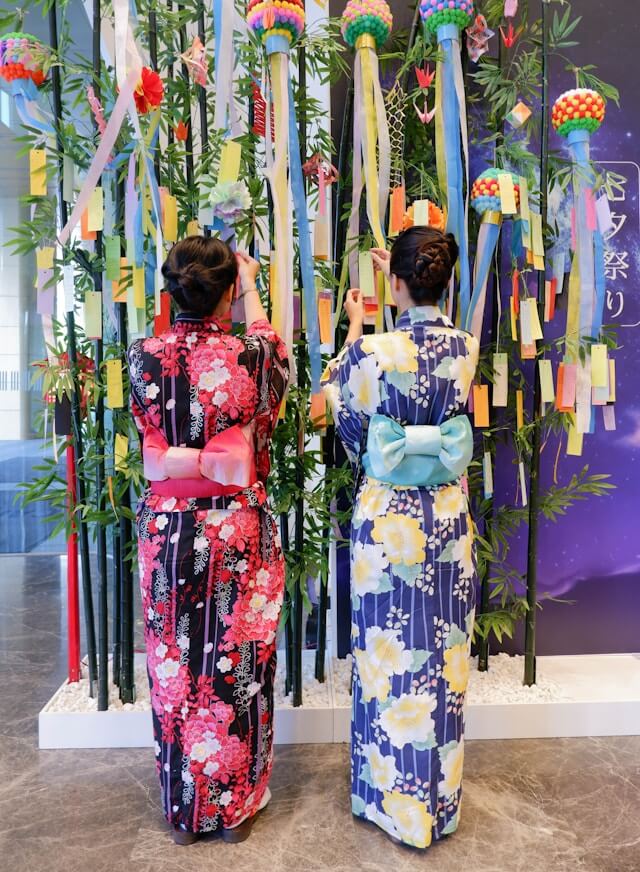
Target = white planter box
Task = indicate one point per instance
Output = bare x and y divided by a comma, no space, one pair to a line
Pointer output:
591,695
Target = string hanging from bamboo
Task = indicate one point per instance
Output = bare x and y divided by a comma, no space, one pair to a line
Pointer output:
366,25
278,24
445,21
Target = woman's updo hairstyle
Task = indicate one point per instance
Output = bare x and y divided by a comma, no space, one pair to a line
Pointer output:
198,270
424,258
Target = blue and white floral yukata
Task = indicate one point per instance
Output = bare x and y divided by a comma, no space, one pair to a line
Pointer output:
412,581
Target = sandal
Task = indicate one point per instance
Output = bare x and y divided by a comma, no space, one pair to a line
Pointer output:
184,837
242,831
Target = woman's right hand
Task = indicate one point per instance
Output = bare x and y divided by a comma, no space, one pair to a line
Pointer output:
248,270
354,307
381,261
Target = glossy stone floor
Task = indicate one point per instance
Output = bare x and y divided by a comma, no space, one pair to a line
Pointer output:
535,806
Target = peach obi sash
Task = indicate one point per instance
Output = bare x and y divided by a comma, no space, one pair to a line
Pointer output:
224,466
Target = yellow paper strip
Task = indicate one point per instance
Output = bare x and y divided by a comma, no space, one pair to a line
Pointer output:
138,287
115,387
519,410
536,234
547,392
574,442
121,449
44,258
514,324
38,172
230,157
170,218
95,220
507,194
193,228
599,367
367,278
536,328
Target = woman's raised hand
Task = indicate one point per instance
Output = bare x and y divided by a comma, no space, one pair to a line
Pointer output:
248,270
381,261
354,306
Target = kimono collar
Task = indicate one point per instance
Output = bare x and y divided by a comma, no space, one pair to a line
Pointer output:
422,315
189,321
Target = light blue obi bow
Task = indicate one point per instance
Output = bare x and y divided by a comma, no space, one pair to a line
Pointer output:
418,455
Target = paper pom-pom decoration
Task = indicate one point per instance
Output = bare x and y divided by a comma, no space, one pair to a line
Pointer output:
276,18
149,91
579,109
435,13
22,56
435,217
366,17
230,201
485,193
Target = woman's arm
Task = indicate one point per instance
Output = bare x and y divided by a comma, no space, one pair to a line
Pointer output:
354,307
248,270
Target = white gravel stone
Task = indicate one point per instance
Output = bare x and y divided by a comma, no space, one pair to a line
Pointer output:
501,684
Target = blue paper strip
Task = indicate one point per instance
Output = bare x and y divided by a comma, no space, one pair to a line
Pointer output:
456,223
306,254
483,265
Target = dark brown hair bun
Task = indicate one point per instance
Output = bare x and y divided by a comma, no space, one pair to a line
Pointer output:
198,271
424,258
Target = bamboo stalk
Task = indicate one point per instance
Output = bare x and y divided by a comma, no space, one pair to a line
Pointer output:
123,654
483,644
288,636
534,476
76,414
127,674
116,623
301,359
101,533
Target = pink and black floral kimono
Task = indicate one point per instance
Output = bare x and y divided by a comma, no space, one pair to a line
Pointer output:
211,568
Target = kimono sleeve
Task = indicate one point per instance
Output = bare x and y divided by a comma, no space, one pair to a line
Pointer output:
270,365
351,384
136,398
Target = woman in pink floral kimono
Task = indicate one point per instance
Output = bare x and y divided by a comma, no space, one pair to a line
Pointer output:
211,568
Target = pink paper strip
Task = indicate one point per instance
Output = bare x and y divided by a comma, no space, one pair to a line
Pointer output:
609,417
569,385
101,156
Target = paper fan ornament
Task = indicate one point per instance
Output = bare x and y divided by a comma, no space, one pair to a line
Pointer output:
24,65
435,217
576,115
278,24
445,19
487,202
366,25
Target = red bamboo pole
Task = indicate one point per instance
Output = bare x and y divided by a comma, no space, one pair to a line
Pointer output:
73,610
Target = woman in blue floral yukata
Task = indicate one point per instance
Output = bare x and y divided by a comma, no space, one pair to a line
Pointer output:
398,401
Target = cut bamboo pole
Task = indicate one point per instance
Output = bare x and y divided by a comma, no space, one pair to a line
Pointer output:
536,444
79,493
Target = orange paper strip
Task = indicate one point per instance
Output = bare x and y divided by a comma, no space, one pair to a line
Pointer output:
481,405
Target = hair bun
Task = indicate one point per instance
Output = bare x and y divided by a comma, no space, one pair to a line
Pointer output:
433,266
192,279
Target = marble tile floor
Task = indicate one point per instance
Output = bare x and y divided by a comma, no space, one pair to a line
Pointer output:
530,806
